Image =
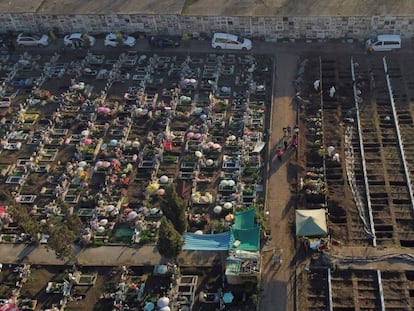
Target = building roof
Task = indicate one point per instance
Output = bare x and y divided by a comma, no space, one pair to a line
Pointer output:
242,262
19,6
214,7
300,8
110,7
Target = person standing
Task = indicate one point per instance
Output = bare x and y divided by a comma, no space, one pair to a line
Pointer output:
153,42
296,130
295,141
289,130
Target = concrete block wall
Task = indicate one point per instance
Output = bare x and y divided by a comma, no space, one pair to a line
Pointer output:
303,27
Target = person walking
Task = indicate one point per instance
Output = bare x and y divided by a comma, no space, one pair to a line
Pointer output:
279,154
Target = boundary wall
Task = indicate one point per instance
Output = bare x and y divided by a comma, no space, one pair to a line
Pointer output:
268,27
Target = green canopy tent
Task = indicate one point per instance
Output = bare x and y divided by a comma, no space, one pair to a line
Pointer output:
311,223
244,219
245,234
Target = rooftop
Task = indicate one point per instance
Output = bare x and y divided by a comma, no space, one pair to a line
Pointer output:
214,7
19,6
92,7
301,8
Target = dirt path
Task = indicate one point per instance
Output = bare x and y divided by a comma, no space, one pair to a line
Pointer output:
278,279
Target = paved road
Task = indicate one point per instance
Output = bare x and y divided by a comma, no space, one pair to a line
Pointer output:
94,256
204,46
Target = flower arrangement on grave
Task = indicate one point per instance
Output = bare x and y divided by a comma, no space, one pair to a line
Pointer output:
199,198
189,158
149,236
220,107
231,141
152,188
88,149
249,190
148,153
28,117
170,159
180,115
250,171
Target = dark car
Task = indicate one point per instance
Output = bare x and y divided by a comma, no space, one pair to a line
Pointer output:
164,42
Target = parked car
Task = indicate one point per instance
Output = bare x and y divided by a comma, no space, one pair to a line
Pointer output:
383,43
26,39
209,297
232,42
164,42
77,39
114,40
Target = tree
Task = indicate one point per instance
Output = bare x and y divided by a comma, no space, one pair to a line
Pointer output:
169,240
173,207
62,230
20,215
61,241
6,198
22,218
74,223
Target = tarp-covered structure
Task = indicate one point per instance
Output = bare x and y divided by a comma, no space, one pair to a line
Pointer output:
243,264
245,234
206,242
311,223
244,219
246,239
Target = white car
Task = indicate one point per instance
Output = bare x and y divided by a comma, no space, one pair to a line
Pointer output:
113,40
78,39
382,43
26,39
231,42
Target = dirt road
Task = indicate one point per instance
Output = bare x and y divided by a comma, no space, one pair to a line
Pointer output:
278,278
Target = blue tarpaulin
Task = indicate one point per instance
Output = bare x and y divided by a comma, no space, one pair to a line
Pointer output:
206,242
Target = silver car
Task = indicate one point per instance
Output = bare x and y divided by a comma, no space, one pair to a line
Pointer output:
25,39
78,39
117,39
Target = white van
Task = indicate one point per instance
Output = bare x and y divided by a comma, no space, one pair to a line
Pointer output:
383,43
228,41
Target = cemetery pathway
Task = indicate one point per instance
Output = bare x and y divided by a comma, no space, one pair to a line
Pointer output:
278,278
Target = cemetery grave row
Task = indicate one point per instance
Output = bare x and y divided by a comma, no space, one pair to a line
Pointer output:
103,136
